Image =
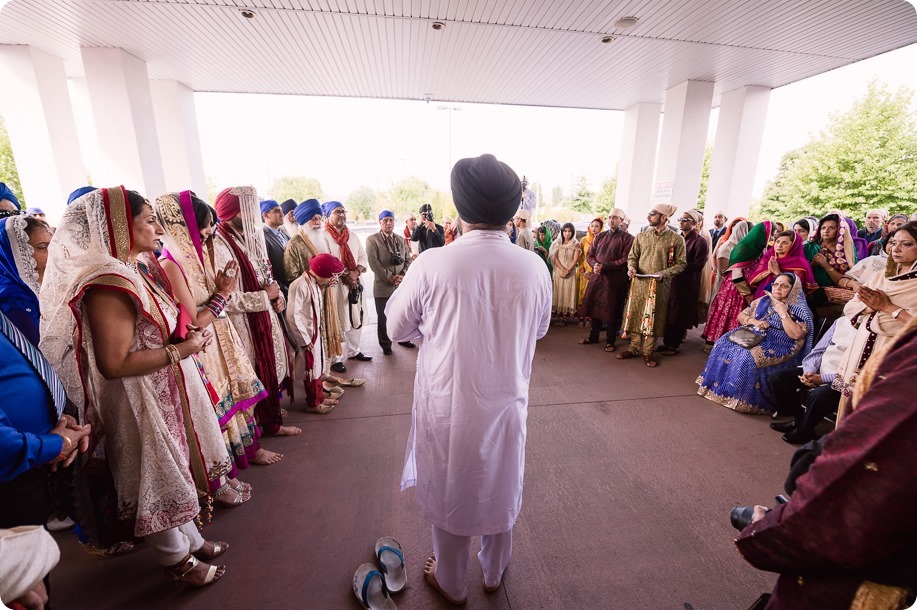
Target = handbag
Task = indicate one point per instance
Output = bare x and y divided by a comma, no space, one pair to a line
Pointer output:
745,337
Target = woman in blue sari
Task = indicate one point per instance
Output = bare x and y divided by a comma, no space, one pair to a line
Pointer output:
735,376
23,253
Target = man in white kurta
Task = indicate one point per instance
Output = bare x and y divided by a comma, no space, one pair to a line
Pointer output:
336,227
478,308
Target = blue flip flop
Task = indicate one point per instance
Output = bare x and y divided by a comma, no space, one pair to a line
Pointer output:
391,561
369,587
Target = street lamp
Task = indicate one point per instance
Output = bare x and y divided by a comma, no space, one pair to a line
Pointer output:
450,109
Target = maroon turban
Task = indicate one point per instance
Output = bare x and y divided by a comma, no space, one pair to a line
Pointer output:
226,204
325,265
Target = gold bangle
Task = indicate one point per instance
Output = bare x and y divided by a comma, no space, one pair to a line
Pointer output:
172,353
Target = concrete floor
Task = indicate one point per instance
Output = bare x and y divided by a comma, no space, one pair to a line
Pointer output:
629,481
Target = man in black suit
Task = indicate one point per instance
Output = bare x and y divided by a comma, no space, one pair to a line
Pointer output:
276,239
719,227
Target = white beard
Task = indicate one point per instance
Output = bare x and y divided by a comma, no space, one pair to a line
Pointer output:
292,228
315,236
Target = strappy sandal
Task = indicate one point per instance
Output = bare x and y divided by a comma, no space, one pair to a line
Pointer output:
241,497
610,347
180,572
668,351
650,362
626,355
243,488
219,548
586,341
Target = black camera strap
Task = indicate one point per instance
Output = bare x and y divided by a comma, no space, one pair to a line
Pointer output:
359,304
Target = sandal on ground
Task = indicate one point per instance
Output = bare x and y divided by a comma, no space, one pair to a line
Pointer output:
240,497
391,561
609,347
217,548
669,351
323,408
626,355
353,383
334,392
369,587
242,488
650,362
586,341
429,575
183,571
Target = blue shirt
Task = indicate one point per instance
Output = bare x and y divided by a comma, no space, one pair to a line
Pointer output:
812,362
281,235
25,415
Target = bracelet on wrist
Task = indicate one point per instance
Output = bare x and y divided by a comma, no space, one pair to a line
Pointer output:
172,353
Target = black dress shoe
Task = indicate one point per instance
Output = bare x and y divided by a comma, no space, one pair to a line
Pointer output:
339,367
387,351
798,437
786,426
361,357
407,344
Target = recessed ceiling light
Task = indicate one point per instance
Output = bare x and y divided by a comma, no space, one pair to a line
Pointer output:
439,25
626,22
607,39
248,14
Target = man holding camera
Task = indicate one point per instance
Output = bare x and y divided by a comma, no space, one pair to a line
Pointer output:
428,234
346,246
479,323
389,260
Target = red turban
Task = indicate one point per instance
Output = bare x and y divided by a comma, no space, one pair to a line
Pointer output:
325,265
226,205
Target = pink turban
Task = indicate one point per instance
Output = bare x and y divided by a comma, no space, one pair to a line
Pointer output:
325,265
226,204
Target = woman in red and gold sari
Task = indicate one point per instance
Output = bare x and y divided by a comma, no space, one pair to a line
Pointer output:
111,331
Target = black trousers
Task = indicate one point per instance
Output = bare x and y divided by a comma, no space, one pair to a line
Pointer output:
820,403
791,394
597,327
673,336
381,330
26,499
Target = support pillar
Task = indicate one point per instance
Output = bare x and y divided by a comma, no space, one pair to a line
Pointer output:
119,90
681,150
42,130
739,133
638,156
179,138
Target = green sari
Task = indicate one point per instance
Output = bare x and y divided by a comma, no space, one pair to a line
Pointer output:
546,244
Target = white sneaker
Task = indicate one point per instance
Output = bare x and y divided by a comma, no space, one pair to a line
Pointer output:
59,525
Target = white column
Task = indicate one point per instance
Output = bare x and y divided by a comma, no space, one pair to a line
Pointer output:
638,156
739,133
681,150
119,90
39,119
179,139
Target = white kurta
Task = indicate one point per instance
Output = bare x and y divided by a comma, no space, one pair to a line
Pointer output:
304,319
359,255
478,307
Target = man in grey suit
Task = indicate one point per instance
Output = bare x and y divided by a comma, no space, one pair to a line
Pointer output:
389,259
276,239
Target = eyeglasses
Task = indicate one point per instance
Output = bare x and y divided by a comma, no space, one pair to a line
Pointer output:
653,214
687,220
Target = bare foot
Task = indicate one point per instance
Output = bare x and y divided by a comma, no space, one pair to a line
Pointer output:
429,575
288,431
266,458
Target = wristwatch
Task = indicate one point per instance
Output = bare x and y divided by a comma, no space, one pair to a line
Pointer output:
896,313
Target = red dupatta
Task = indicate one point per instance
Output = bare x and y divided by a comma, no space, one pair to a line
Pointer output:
793,261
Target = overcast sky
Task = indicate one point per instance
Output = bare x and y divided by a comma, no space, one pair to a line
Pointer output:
347,143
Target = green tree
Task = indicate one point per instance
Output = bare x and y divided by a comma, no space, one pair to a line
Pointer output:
213,189
705,177
8,172
583,197
865,158
297,188
362,203
605,199
408,195
557,196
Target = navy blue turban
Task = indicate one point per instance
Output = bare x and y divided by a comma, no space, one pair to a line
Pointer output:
485,190
287,206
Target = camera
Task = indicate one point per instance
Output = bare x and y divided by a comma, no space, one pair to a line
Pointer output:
741,516
427,215
355,294
397,259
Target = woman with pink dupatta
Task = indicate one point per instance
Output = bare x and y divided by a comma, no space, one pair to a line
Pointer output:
787,255
203,293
